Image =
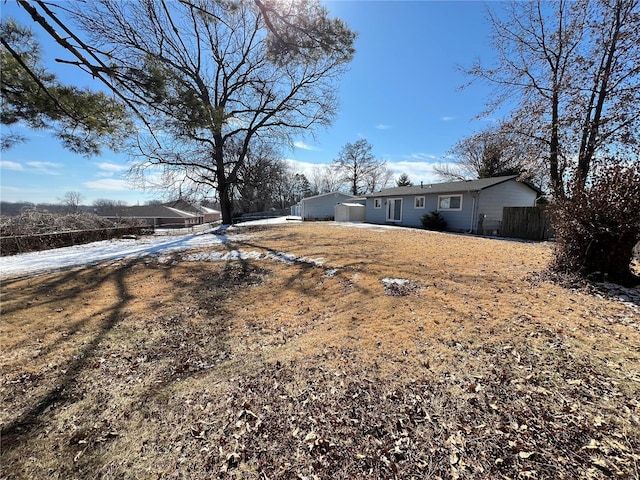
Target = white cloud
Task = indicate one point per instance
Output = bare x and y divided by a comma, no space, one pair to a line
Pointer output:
306,168
5,188
382,126
45,168
417,171
109,184
108,169
111,167
33,194
447,119
304,146
7,165
423,157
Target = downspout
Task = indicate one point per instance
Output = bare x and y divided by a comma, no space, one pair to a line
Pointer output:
473,209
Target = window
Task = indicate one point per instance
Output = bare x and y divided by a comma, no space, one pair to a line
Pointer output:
394,210
418,202
449,202
377,203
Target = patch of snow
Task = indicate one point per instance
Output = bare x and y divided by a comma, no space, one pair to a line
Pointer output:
369,226
395,281
161,246
222,256
331,272
399,287
268,221
34,263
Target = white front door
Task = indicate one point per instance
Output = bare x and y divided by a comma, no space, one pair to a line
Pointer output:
394,210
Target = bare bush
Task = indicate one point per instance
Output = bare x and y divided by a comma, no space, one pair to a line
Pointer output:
33,222
597,228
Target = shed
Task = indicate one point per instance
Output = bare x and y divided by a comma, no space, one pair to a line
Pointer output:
322,207
349,212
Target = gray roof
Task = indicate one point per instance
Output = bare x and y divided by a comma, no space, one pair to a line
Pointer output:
327,194
449,187
189,207
147,211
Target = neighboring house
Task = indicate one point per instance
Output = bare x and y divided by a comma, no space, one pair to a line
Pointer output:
164,215
472,205
209,215
320,207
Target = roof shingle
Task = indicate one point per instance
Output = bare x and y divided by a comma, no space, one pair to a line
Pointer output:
447,187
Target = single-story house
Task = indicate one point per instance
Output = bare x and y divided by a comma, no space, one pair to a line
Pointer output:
209,215
165,215
321,207
472,205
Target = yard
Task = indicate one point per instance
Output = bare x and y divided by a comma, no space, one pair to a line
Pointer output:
317,350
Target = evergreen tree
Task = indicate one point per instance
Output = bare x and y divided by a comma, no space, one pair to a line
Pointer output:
404,181
84,121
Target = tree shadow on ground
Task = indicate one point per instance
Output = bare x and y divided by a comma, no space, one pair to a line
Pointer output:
23,425
183,351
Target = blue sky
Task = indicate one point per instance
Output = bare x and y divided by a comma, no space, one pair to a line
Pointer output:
402,93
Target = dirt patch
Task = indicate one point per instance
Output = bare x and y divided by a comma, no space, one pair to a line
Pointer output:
400,287
259,367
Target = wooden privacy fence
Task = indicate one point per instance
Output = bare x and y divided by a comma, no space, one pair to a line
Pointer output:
46,241
530,223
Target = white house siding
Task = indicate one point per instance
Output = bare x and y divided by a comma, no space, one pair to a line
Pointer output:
322,207
494,199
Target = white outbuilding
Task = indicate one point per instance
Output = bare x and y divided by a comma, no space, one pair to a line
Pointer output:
321,207
349,212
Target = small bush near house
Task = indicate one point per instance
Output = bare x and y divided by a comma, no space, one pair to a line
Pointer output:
434,221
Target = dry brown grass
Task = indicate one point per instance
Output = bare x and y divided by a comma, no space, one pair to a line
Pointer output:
268,369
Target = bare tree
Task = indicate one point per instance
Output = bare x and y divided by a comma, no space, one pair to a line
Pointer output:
72,200
491,153
261,181
379,177
106,204
325,180
216,78
299,188
573,67
358,167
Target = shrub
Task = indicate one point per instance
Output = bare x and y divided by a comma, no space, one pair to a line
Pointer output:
434,221
34,222
597,228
